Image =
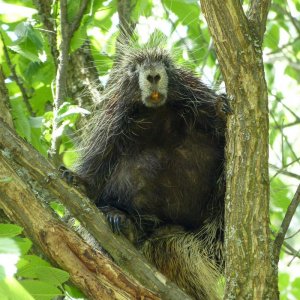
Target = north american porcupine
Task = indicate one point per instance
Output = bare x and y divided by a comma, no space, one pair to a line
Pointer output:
153,157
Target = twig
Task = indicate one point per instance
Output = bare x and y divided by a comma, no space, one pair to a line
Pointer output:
4,100
285,224
76,22
16,77
257,15
297,254
287,248
67,31
284,11
294,234
283,171
285,139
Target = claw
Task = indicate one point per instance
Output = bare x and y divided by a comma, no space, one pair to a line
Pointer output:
115,218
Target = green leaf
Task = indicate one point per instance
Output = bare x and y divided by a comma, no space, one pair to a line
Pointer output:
40,290
10,230
188,16
296,283
292,72
20,116
16,11
73,292
284,280
280,194
11,289
142,8
41,98
103,17
29,42
24,52
35,260
51,275
24,244
272,37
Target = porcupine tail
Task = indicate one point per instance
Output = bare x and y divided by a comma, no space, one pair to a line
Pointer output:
183,258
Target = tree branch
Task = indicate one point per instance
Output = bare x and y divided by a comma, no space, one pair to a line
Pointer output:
67,31
257,16
4,100
45,175
285,224
91,271
76,22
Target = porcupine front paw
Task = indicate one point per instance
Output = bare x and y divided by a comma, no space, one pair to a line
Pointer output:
120,223
72,178
223,106
66,174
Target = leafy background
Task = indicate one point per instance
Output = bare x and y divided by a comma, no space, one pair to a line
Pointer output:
29,68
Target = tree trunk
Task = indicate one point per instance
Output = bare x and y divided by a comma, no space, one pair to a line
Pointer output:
249,271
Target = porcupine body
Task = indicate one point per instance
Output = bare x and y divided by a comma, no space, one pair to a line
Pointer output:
153,159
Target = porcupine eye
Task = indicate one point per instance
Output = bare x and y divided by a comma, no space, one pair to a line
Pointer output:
132,69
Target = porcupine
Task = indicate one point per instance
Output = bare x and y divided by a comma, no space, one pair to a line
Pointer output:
153,157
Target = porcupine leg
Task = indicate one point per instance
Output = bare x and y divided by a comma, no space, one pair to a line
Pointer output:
185,261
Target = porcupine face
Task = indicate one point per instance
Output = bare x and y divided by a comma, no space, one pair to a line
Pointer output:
150,69
153,82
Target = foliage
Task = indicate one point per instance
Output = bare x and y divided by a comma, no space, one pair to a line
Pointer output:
34,278
30,69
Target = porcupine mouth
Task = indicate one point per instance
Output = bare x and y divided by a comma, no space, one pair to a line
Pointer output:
155,99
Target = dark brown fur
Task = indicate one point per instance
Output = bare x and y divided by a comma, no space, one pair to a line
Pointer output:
161,167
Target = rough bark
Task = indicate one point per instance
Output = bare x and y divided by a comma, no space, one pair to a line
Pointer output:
91,271
249,271
40,179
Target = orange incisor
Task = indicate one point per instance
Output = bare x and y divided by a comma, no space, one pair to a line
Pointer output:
155,96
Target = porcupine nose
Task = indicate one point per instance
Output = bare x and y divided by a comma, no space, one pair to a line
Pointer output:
153,78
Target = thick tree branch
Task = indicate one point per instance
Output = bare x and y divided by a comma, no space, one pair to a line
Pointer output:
285,224
257,16
123,253
91,271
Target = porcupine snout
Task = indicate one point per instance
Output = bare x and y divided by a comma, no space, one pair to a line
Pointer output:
153,82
